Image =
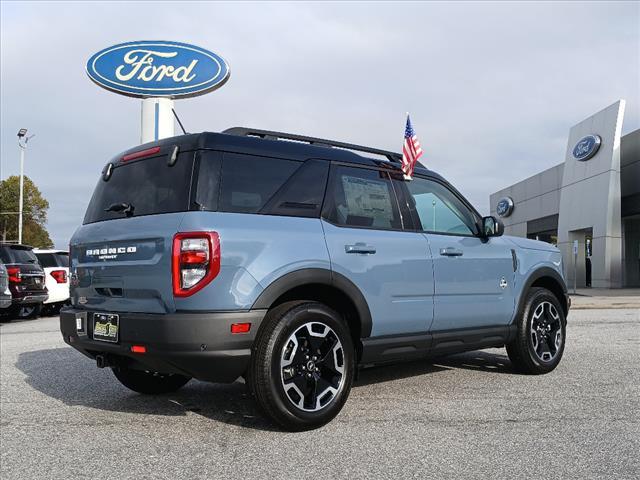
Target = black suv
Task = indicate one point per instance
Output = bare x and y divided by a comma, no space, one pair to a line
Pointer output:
26,280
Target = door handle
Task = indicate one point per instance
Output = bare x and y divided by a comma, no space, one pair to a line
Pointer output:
450,252
360,248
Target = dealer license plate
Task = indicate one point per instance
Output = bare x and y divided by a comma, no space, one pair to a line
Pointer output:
105,327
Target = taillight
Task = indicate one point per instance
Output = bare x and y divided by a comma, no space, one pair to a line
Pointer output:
195,261
59,275
14,274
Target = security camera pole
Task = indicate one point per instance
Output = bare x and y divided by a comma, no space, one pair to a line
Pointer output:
22,143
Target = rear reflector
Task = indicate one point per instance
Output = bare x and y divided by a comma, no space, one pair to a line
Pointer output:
138,349
240,327
142,153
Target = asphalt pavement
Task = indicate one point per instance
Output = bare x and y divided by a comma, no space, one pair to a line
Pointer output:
465,416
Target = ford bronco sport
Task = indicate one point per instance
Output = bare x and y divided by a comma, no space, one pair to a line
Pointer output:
291,261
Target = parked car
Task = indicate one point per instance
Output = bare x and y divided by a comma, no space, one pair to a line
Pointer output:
56,269
291,261
5,293
26,280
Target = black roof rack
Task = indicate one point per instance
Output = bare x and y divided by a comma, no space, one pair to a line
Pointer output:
269,135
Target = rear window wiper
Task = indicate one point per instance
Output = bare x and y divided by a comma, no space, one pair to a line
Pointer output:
125,208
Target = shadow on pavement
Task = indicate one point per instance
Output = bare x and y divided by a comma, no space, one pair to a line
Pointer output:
67,376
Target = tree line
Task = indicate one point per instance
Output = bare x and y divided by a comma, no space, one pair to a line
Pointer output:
35,207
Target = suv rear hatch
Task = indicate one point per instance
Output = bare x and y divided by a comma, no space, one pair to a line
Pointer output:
120,258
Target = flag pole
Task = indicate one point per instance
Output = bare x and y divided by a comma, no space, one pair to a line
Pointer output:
406,177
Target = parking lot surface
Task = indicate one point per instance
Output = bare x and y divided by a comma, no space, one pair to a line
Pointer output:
465,416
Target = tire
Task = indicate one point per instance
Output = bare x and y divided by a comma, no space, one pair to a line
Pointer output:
285,378
28,311
540,339
149,383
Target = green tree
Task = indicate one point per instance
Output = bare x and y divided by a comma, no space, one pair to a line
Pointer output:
34,231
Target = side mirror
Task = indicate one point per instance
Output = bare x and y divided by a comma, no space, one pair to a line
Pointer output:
492,227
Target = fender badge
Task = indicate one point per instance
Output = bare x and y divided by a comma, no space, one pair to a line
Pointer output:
503,283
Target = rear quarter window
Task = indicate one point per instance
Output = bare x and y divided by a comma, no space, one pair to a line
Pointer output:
264,185
248,182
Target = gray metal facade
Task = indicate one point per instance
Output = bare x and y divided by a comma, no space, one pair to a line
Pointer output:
595,201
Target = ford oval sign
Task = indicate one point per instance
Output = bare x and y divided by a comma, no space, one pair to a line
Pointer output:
587,147
157,69
504,207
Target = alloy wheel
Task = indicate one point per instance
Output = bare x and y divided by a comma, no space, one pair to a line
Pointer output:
312,366
546,331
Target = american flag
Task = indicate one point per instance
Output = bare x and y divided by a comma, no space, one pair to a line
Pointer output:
411,150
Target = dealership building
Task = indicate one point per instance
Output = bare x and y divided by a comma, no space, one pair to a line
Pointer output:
589,205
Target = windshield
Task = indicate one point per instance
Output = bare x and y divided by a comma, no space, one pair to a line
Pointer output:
144,187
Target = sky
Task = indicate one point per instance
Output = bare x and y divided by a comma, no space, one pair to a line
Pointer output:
493,88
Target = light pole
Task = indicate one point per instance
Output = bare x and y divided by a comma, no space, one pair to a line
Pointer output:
22,143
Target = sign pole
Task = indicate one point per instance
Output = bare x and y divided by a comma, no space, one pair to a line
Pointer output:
157,119
22,149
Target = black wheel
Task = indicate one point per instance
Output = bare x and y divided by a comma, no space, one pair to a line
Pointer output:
151,383
539,343
24,312
302,365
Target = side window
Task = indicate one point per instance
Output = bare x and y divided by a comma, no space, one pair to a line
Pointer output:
438,210
358,197
249,182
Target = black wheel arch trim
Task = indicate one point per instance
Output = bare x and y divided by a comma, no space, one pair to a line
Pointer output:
308,276
544,272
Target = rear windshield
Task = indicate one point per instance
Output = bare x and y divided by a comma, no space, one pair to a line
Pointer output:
63,259
17,255
52,260
149,186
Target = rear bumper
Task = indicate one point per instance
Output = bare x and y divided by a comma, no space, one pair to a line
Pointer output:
198,345
30,298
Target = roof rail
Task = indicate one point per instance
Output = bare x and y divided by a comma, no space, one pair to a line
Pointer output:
269,135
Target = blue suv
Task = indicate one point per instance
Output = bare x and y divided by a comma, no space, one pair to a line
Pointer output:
292,261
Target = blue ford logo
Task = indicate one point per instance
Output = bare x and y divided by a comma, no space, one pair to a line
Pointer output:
504,207
157,69
587,147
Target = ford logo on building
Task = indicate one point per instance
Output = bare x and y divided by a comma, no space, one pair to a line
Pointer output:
157,69
587,147
504,207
